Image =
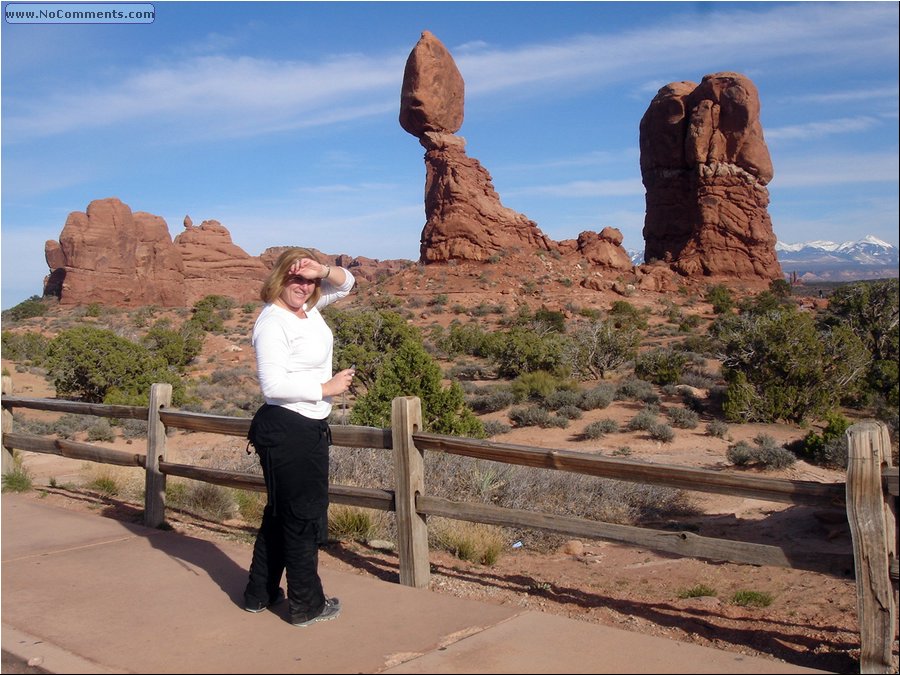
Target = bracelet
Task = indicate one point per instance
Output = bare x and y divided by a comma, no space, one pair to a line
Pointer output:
327,271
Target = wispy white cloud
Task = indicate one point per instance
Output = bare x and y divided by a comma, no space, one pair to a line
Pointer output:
213,96
585,188
627,156
845,125
847,96
828,32
339,188
355,233
813,171
223,95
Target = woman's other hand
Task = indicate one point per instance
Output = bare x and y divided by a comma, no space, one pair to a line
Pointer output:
339,383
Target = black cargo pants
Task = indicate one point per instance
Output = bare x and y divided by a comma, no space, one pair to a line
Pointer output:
293,452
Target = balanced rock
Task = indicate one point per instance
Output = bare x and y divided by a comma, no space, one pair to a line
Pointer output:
433,90
465,219
705,166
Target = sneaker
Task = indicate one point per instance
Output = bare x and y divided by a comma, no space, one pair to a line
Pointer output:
330,611
260,606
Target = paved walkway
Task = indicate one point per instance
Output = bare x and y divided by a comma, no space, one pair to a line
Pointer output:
87,594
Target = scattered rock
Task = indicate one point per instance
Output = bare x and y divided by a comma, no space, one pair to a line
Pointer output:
572,547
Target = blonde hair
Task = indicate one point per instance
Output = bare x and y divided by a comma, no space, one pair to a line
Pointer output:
275,282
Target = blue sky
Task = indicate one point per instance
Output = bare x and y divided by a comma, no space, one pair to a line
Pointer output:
280,119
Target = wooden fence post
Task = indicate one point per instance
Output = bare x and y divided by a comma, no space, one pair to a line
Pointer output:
873,528
154,480
409,472
8,462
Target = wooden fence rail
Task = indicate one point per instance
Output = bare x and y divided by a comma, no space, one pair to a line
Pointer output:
869,494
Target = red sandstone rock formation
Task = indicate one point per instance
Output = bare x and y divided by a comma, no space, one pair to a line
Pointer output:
464,217
214,265
705,165
433,90
112,256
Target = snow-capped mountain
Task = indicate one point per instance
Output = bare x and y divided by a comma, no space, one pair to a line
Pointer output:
870,257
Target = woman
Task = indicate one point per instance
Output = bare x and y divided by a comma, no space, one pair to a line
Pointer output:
290,433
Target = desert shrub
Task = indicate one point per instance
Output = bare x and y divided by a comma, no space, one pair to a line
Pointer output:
682,418
537,386
870,310
94,309
694,403
25,347
204,499
354,523
661,432
778,366
362,467
521,350
645,420
634,389
530,416
554,320
367,339
495,428
597,347
698,380
105,484
27,309
462,339
828,449
471,371
660,366
176,347
555,421
751,598
717,429
18,478
101,431
597,398
474,542
563,398
765,453
411,371
211,312
689,323
720,298
698,591
570,412
780,288
99,366
600,428
699,344
66,426
250,504
625,315
492,402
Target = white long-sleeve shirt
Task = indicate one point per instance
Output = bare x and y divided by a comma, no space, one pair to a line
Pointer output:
293,355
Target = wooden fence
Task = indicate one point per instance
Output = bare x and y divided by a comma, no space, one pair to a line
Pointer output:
869,494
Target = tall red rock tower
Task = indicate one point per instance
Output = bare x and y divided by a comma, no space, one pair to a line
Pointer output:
705,166
464,217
